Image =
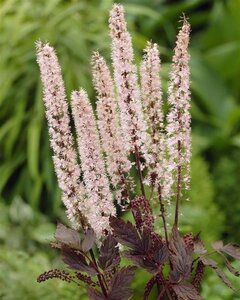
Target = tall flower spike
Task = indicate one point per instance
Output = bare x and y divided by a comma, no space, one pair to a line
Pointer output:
152,105
178,118
99,206
65,159
118,164
131,115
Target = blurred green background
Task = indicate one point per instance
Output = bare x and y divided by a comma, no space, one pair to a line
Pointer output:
30,201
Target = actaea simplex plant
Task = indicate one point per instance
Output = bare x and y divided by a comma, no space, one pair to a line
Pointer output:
130,147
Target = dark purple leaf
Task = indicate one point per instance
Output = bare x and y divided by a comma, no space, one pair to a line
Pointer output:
211,263
126,234
224,279
218,245
118,284
75,260
230,266
95,294
186,291
180,256
232,250
146,240
88,240
161,253
123,277
67,236
141,261
198,246
109,254
122,293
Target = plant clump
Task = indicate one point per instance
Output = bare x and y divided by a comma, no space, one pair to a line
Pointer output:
131,135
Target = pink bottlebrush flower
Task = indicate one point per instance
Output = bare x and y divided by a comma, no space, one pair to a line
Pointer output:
118,164
99,206
131,115
178,118
65,158
152,105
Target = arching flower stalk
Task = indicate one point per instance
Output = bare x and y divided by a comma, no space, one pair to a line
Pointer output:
64,155
100,203
117,162
178,118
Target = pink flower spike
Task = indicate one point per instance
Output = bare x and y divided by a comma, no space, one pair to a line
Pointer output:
64,155
178,118
118,164
131,115
152,104
99,206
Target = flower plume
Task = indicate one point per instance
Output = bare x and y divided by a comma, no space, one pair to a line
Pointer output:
99,205
178,118
64,155
131,115
130,125
152,104
118,164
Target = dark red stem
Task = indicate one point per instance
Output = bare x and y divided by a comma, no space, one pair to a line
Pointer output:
162,209
179,180
100,279
139,171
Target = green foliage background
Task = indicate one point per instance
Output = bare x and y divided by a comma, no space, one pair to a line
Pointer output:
30,200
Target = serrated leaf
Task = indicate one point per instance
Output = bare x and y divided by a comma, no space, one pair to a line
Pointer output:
122,293
95,294
160,251
68,236
186,291
141,261
109,254
224,279
198,246
217,245
229,266
88,240
213,264
146,240
123,277
126,234
232,250
75,260
209,262
118,289
180,257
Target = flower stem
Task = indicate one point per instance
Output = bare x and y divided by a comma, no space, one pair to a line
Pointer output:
139,171
162,209
99,276
179,183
